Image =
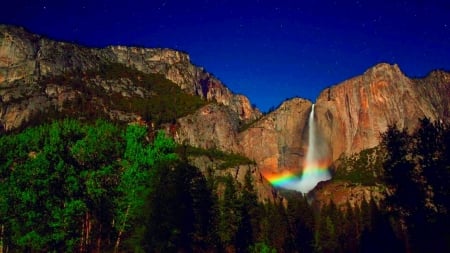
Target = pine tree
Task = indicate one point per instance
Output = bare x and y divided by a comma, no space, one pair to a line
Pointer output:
326,238
406,194
229,214
349,237
301,221
250,214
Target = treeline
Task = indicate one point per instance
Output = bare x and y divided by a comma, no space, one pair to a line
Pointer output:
74,187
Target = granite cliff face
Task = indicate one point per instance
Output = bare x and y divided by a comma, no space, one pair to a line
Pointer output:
26,58
211,127
277,141
351,115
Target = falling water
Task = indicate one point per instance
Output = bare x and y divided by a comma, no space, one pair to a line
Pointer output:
315,169
310,155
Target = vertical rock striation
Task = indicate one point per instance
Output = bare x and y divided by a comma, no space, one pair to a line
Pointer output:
352,114
278,141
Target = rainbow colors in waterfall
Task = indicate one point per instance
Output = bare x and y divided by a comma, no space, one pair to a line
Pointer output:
315,168
302,181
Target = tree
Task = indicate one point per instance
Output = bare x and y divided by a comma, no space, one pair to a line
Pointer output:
278,230
350,234
429,228
301,222
250,213
416,172
380,230
402,180
400,175
229,215
134,181
177,214
326,240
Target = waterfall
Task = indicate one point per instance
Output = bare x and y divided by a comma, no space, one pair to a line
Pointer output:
316,166
311,137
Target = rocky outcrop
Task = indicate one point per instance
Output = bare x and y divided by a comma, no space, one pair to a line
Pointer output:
341,193
278,141
211,127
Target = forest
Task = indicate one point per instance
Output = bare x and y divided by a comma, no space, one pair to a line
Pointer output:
70,186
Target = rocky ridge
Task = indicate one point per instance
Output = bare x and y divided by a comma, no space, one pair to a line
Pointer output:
26,58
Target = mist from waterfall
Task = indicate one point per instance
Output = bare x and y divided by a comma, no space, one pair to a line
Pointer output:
315,167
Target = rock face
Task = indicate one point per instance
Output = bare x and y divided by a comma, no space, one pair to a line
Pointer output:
351,115
278,141
211,127
26,58
342,193
176,66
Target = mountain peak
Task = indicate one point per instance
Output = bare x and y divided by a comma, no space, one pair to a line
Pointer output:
383,66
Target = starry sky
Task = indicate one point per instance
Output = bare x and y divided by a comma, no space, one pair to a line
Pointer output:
268,50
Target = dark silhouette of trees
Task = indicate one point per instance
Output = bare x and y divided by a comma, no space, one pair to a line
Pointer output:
417,173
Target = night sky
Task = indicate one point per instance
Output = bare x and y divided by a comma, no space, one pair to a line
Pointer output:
267,50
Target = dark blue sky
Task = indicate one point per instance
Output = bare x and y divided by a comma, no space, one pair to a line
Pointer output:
267,50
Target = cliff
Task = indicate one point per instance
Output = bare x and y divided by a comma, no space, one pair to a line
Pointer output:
26,59
278,141
353,113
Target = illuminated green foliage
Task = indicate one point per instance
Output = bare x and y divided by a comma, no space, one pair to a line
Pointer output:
69,186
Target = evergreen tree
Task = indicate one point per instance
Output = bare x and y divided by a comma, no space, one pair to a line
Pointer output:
229,214
406,196
326,240
177,215
250,215
134,181
379,236
278,230
301,222
349,237
428,225
417,173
